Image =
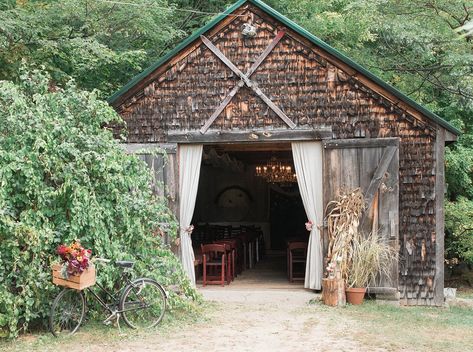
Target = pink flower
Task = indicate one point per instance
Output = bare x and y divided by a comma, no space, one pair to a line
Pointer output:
61,250
309,225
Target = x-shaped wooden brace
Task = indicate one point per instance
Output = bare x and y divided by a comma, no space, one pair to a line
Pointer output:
245,80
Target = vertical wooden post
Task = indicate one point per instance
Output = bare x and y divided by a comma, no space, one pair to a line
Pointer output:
439,217
333,290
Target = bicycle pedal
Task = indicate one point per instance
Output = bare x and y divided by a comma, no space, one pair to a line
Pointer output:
108,321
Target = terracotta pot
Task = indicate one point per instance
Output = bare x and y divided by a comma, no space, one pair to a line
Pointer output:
355,295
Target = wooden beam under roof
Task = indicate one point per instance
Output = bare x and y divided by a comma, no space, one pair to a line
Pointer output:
266,147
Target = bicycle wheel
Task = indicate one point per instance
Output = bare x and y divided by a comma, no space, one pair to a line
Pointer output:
67,312
143,304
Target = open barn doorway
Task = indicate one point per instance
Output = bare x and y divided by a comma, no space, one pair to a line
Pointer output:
249,192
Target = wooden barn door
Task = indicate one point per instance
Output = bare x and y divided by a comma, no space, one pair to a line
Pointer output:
164,166
372,165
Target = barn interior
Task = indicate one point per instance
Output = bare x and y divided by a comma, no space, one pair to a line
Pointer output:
249,192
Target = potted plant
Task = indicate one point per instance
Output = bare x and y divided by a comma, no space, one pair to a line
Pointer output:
370,258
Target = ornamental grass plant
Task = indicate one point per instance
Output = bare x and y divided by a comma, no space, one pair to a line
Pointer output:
371,259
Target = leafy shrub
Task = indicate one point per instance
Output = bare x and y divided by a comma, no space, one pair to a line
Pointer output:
63,177
459,229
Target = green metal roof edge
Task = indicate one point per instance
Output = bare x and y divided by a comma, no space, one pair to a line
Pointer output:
294,26
174,51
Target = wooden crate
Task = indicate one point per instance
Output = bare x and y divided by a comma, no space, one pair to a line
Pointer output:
79,282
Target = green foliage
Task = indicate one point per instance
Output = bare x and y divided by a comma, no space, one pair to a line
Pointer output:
98,43
459,222
459,171
63,177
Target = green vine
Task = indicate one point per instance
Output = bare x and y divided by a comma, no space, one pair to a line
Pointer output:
62,177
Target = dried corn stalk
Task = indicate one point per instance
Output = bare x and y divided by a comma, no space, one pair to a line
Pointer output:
343,219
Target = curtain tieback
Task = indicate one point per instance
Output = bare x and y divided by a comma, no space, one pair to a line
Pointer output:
309,225
188,229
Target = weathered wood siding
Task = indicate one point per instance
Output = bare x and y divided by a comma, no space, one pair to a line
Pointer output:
372,165
162,161
314,90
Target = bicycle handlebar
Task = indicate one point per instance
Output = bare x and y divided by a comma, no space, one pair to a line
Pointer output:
103,260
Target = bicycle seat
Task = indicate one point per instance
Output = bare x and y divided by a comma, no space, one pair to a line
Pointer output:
124,264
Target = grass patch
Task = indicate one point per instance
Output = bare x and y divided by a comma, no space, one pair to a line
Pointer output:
93,332
464,292
418,328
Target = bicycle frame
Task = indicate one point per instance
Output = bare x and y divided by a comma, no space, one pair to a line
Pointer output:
114,297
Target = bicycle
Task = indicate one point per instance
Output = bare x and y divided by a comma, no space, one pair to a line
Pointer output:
140,302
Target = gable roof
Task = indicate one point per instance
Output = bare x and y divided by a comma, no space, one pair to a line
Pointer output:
301,31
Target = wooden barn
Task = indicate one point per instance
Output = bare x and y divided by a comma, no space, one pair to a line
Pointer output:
252,92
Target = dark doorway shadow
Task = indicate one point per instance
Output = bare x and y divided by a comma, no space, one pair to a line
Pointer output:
287,215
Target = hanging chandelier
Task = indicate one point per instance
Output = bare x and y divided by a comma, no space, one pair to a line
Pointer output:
276,172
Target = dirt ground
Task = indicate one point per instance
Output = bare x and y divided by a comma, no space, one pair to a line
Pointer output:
259,321
261,311
277,320
235,320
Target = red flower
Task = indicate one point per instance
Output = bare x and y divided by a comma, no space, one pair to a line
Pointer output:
75,257
62,251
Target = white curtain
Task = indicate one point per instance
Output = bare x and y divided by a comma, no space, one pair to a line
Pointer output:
190,157
308,164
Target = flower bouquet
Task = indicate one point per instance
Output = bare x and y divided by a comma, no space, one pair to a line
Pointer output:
74,257
75,270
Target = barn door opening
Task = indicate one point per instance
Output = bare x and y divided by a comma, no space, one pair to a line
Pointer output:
263,213
372,165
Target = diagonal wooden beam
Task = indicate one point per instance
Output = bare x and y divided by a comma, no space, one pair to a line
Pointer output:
223,58
247,81
265,53
274,107
235,89
379,173
221,107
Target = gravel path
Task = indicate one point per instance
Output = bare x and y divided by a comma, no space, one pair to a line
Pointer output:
266,320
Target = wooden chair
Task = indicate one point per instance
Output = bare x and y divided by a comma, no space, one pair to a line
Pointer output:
296,254
231,247
213,257
197,262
